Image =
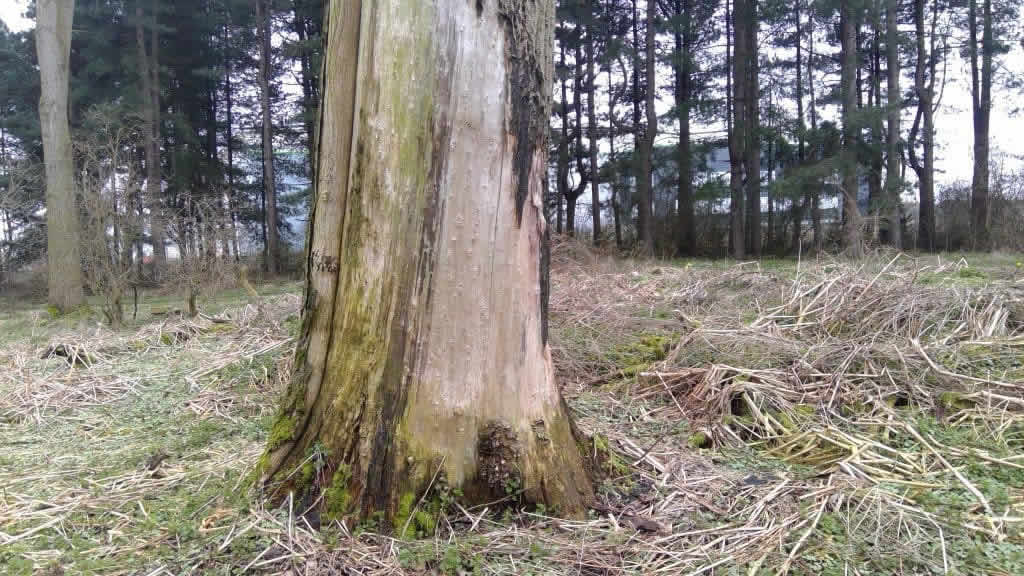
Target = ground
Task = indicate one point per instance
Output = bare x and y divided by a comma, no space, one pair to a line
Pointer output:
744,418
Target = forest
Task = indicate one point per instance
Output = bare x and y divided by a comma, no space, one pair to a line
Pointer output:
511,287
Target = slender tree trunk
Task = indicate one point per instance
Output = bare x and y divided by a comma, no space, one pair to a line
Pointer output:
229,126
876,201
753,131
814,197
925,171
63,238
738,130
851,213
687,234
563,144
406,389
595,193
893,182
149,76
981,92
613,171
269,192
650,132
796,205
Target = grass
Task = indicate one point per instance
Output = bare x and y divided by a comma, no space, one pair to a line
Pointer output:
750,418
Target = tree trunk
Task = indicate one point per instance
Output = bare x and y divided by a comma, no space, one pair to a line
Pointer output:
981,92
687,234
893,182
595,194
752,159
423,364
876,202
796,206
63,258
925,172
149,76
851,213
230,144
613,171
563,143
737,131
269,193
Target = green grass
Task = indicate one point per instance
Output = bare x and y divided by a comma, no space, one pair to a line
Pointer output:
90,460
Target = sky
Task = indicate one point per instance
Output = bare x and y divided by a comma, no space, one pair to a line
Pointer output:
953,124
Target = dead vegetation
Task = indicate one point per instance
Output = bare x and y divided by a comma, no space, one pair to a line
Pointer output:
772,418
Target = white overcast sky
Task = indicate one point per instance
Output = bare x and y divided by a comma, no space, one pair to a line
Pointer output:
953,122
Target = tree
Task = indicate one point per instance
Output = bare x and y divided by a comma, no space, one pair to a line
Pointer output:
981,106
53,45
848,166
924,87
423,364
149,75
752,123
271,248
595,194
737,120
893,182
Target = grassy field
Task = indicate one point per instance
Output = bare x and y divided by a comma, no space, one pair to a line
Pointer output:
747,418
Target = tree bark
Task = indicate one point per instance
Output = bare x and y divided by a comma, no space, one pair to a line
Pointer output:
63,238
981,92
687,233
423,363
595,193
796,206
269,193
894,106
852,244
737,130
752,159
642,131
876,202
613,171
925,89
149,76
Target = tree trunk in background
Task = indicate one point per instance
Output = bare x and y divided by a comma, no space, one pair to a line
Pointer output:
595,193
796,208
852,244
925,172
613,171
270,196
981,93
149,77
63,258
893,182
876,202
303,18
814,196
687,233
230,144
563,144
423,353
737,130
644,191
752,160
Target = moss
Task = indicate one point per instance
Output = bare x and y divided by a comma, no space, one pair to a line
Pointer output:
280,432
337,499
607,461
637,356
698,440
413,521
971,273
